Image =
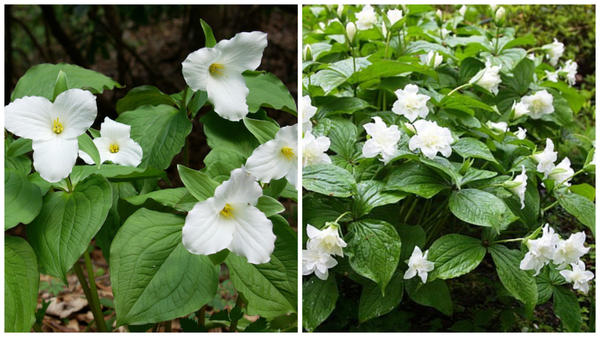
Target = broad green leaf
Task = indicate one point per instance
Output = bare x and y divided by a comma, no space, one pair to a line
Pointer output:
328,179
267,90
220,161
115,172
433,294
209,37
585,189
60,85
86,144
263,130
160,130
22,199
480,208
529,215
372,304
374,250
472,148
18,147
143,95
410,236
318,301
154,278
519,283
388,68
270,288
580,207
455,255
177,198
474,174
416,178
318,209
328,79
444,166
343,135
469,67
371,194
522,76
572,95
21,280
228,136
332,105
566,307
67,223
269,206
198,183
198,100
36,79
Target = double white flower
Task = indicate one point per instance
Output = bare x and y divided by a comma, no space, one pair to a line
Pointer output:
313,150
501,127
554,51
432,59
394,15
218,71
231,220
308,112
570,70
488,77
384,140
546,158
418,265
53,127
541,251
321,245
115,145
519,186
536,105
366,18
562,173
410,103
578,276
431,138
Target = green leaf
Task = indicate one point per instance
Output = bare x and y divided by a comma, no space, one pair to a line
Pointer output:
388,68
198,100
410,236
67,223
318,301
469,67
21,281
115,172
263,130
160,130
36,79
372,304
472,148
269,206
19,147
266,90
522,76
86,144
228,136
572,95
374,250
143,95
332,105
433,294
318,209
566,307
22,199
371,194
455,255
586,190
343,135
480,208
270,288
209,37
328,179
154,278
580,207
416,178
60,85
220,161
177,198
519,283
198,183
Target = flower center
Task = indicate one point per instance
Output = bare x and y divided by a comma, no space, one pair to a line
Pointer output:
227,211
288,153
57,126
114,148
412,103
216,69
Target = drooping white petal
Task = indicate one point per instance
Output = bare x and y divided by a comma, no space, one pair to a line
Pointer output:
54,159
244,51
195,67
228,92
253,235
76,109
29,117
240,188
206,232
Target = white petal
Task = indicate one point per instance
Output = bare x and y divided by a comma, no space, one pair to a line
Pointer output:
370,149
244,51
228,92
29,117
195,67
267,163
205,232
114,130
240,188
253,236
322,275
130,153
312,231
54,159
423,276
77,110
410,273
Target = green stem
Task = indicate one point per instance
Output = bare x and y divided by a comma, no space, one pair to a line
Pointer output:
410,210
201,316
341,216
69,184
549,206
98,318
508,240
94,290
468,84
233,325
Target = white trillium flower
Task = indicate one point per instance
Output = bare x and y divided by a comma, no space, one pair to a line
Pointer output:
431,139
578,276
462,10
394,15
500,126
552,76
554,51
340,10
53,128
488,77
571,69
562,173
444,32
500,13
115,145
570,250
432,59
276,158
410,103
539,104
218,71
366,18
313,150
418,264
318,262
327,240
308,112
546,158
350,31
520,187
520,109
521,133
384,140
541,251
231,220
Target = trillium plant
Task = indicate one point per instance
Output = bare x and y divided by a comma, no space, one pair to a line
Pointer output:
172,251
447,181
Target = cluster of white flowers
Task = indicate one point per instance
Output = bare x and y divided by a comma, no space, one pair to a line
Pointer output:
488,77
383,140
431,138
313,148
569,70
535,106
561,173
562,253
418,265
366,18
321,246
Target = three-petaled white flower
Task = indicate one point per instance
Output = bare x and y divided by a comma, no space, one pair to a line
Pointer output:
53,128
366,18
327,240
394,15
554,51
313,150
499,126
562,173
432,59
520,186
218,71
541,251
276,158
318,262
410,103
570,69
418,264
488,77
231,220
431,138
578,276
384,140
538,104
570,250
308,112
115,145
546,158
521,133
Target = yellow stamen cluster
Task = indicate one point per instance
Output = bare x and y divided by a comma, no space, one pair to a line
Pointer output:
288,153
57,126
216,69
227,211
114,148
